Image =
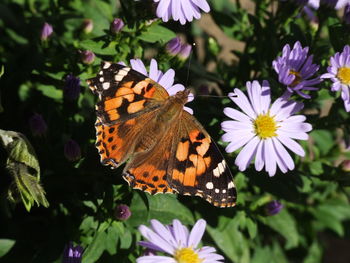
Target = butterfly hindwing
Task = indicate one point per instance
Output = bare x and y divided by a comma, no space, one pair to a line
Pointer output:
147,170
124,93
197,167
116,142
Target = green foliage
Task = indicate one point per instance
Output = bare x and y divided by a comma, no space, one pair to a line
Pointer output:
83,194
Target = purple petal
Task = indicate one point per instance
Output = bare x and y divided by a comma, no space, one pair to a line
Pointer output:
246,155
155,259
196,233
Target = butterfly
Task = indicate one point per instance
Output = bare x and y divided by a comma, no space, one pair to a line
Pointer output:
166,149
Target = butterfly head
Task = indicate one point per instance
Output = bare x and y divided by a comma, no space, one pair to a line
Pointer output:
182,96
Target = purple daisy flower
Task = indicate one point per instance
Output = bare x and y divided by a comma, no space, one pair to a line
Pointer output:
166,80
339,73
72,254
181,10
264,130
177,241
295,69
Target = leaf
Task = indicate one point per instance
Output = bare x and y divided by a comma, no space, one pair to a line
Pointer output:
23,166
157,33
126,239
51,92
113,235
139,208
96,248
230,239
331,213
314,253
284,224
252,227
166,207
5,246
99,46
323,139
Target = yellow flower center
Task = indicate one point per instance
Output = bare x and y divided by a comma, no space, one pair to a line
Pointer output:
344,75
187,255
265,126
297,78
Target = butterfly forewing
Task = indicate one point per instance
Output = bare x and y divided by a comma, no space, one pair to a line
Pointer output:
124,93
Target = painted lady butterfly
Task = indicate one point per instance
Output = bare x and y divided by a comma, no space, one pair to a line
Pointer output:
167,149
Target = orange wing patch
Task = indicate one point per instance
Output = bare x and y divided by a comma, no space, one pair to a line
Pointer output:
198,169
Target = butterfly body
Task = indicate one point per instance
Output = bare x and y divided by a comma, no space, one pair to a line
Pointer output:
166,149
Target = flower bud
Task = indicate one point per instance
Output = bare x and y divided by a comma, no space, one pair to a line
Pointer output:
173,47
87,57
117,25
346,165
185,51
122,212
72,151
71,88
87,26
72,254
37,125
46,31
273,208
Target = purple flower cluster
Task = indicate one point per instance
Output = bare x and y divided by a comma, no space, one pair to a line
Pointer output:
296,70
72,254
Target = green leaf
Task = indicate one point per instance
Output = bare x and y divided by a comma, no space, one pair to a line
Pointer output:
126,239
230,239
99,47
5,246
139,208
96,248
113,234
252,227
23,166
166,207
157,33
51,92
316,167
284,224
314,253
323,139
331,213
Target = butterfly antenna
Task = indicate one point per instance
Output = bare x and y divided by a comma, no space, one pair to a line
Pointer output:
189,63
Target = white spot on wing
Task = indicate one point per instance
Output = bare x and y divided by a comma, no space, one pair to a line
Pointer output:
209,185
230,185
106,65
217,190
106,85
102,79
